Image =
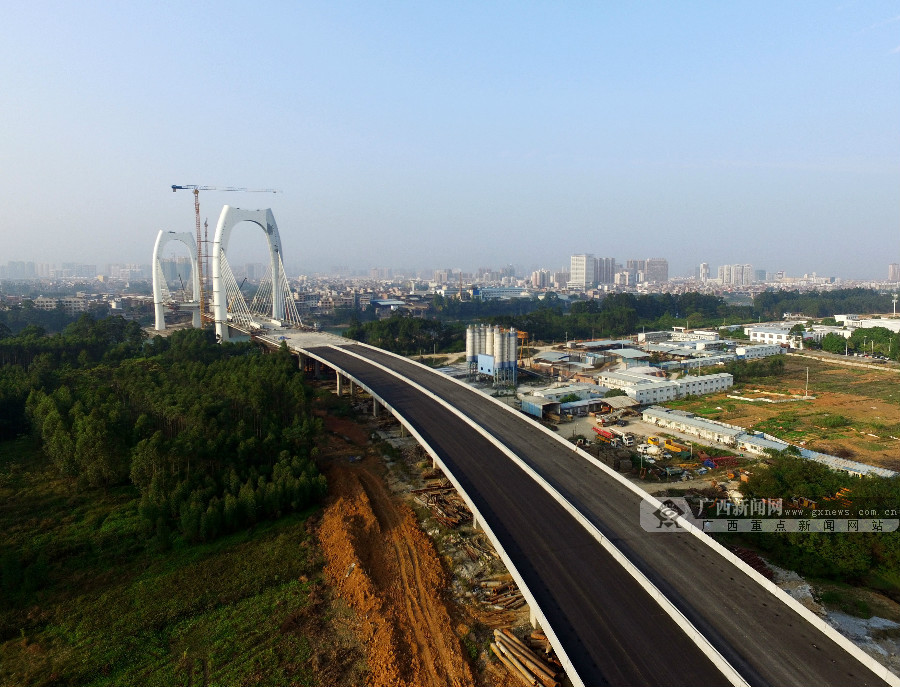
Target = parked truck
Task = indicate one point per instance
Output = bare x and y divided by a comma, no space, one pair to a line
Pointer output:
606,435
625,438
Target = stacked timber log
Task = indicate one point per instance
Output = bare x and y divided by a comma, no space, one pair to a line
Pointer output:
523,662
503,595
444,503
478,547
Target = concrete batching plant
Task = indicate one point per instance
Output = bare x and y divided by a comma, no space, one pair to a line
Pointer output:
491,351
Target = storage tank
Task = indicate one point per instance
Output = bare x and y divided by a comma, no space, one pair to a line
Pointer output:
507,351
489,342
470,344
513,347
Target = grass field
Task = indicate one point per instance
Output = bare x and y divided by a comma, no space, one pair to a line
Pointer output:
855,413
86,602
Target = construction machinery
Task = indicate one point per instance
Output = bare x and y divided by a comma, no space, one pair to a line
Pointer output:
523,346
202,238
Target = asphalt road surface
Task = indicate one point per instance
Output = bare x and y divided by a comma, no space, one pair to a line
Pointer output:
612,630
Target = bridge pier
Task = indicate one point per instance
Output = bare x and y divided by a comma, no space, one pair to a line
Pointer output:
532,617
340,389
374,407
317,369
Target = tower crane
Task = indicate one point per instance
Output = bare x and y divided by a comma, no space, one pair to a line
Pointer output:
200,238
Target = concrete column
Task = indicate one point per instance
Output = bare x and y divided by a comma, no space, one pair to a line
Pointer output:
352,387
403,432
339,386
301,362
317,369
374,407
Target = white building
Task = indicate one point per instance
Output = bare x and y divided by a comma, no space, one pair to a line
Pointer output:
583,391
759,351
644,386
72,305
683,421
770,334
582,272
682,334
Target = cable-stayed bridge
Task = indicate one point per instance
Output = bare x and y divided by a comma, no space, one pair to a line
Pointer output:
273,303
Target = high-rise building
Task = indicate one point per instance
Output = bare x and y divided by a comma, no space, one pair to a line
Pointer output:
704,271
624,277
606,270
582,272
894,272
739,275
656,270
540,279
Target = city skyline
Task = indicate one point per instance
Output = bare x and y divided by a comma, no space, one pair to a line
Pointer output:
461,135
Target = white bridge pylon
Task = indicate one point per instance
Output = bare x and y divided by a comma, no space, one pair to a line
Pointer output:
273,299
161,295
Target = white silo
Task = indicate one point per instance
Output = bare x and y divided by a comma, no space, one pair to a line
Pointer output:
470,344
489,341
498,348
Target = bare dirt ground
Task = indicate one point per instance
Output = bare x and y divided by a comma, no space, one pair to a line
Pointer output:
869,399
388,570
384,565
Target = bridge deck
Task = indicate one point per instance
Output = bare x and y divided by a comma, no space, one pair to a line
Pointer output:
612,630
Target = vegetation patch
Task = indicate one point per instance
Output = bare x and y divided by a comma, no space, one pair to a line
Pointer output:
154,499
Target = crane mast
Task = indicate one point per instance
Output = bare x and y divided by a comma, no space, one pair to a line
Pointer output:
201,256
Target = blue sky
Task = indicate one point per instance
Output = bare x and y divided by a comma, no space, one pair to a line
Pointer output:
427,134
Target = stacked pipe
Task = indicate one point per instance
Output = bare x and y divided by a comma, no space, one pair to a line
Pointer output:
522,662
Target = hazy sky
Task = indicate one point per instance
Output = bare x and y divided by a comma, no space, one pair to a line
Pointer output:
459,134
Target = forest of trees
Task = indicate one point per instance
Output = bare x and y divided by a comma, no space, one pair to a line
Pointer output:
213,437
848,557
773,304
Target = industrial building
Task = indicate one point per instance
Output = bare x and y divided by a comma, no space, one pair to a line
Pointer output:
760,351
647,386
491,351
689,424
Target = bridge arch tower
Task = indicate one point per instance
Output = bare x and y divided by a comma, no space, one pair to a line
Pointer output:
160,290
221,272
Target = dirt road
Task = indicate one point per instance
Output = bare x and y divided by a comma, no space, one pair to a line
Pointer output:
382,563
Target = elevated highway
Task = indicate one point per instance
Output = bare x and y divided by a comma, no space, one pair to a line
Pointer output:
622,606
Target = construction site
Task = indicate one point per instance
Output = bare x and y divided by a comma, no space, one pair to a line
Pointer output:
434,605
